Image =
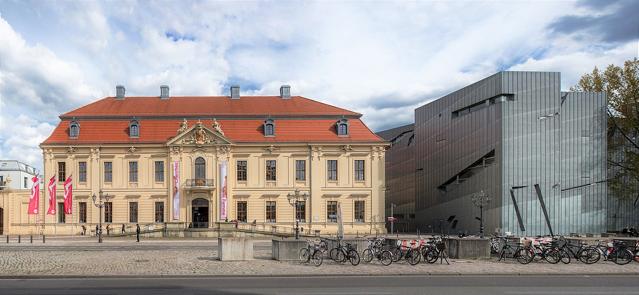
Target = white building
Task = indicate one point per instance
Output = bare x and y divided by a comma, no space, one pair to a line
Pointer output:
15,175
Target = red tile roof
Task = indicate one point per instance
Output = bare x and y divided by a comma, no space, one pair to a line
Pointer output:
298,119
219,106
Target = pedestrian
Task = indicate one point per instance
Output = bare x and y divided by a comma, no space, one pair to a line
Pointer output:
108,229
137,232
123,228
84,230
96,230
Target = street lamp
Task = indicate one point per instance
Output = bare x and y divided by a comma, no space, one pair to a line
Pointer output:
294,199
99,202
480,200
392,221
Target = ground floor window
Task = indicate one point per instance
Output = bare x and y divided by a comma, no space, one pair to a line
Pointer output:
61,216
241,211
82,217
270,211
331,211
359,211
108,212
133,212
300,211
159,212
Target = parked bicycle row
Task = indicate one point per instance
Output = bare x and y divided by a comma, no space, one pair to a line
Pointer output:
554,250
378,250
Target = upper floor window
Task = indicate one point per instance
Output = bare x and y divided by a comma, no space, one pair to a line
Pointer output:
342,127
62,170
159,171
74,129
241,170
331,170
200,168
300,170
271,170
269,127
108,171
82,171
359,170
133,171
134,128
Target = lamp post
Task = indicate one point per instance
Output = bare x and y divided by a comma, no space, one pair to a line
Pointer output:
392,221
480,200
99,202
294,199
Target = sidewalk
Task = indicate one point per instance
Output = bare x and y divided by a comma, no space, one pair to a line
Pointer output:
124,257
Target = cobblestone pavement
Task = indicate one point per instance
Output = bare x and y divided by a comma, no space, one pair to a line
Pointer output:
85,257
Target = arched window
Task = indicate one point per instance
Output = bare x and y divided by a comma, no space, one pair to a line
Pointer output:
269,127
134,128
74,129
200,168
342,127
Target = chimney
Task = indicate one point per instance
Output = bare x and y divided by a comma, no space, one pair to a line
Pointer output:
285,91
235,92
119,92
164,91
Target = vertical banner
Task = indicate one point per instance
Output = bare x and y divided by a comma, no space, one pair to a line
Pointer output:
68,195
34,200
223,196
176,190
52,195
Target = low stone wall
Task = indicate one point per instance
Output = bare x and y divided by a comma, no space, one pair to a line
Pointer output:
287,249
233,249
468,248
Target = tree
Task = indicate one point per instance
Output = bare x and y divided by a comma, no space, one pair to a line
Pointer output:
622,88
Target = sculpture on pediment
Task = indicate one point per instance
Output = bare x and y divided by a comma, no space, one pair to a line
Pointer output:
199,136
217,126
183,126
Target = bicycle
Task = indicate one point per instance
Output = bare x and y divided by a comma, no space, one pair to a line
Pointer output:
342,253
314,251
410,253
435,249
620,254
376,250
522,252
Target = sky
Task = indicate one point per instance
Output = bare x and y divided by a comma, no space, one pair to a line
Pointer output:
381,59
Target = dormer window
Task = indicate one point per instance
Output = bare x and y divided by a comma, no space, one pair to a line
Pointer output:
134,128
74,129
342,127
269,127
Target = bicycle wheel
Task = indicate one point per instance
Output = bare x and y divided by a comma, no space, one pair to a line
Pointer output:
305,255
386,258
431,256
525,256
565,256
413,256
622,256
353,257
367,255
551,255
318,258
397,254
589,255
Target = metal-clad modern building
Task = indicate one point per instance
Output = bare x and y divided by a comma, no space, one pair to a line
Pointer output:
520,139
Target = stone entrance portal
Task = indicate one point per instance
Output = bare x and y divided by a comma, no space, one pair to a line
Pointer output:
200,213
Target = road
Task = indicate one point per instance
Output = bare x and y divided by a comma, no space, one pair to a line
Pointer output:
351,285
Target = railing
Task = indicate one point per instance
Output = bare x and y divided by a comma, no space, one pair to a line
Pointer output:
200,183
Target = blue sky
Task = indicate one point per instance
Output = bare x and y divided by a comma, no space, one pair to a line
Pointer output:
379,58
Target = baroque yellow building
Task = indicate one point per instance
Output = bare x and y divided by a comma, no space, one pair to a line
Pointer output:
194,163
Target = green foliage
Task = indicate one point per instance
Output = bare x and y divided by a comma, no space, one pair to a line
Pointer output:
621,84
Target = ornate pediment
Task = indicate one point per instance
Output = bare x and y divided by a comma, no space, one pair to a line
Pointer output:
198,135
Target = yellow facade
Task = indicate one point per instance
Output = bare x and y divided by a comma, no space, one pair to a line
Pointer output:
256,190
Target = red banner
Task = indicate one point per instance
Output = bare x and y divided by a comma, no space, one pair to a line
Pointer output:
34,200
51,187
68,196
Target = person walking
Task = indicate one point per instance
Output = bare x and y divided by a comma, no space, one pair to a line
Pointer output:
96,230
137,232
123,228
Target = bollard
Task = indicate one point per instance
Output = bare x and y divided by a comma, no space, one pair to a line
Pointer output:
31,239
19,237
42,239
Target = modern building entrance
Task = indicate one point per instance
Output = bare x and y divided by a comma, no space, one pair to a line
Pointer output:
200,213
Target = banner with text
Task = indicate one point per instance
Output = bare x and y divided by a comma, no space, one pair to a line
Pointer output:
223,197
176,190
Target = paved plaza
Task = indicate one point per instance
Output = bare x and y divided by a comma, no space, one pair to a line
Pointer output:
162,257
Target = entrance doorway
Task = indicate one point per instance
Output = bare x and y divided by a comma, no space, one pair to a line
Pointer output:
200,213
1,221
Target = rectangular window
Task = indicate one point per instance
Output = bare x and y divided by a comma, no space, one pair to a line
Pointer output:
61,216
62,169
271,170
270,211
82,169
300,170
300,211
133,171
108,171
26,182
241,211
82,217
108,212
331,167
241,170
359,211
159,212
133,212
159,171
331,211
359,170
